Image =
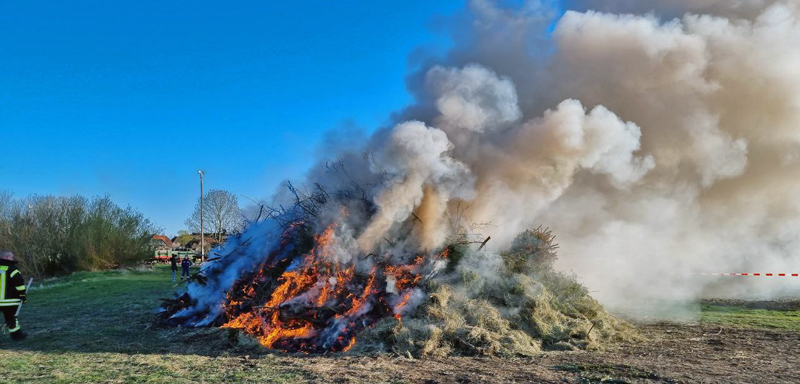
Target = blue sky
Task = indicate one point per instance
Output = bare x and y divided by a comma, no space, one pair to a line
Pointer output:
130,98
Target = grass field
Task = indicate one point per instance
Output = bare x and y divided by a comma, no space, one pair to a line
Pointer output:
98,327
740,316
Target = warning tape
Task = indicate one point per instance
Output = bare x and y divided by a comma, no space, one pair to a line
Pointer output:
750,274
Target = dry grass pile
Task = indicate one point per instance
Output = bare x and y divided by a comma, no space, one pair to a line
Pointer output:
521,307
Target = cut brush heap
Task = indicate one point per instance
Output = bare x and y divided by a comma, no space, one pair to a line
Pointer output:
658,139
311,290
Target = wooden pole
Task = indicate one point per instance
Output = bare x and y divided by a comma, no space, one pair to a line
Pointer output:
202,222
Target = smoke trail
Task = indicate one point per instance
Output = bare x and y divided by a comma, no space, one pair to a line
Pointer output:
654,146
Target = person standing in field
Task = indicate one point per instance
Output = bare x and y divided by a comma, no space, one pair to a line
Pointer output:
13,293
174,261
185,264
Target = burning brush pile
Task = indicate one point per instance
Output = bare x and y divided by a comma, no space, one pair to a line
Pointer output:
630,131
298,281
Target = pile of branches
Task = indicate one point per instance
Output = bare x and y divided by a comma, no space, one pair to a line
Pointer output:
520,308
253,291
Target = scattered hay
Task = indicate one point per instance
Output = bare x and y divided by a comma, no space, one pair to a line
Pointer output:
450,324
519,310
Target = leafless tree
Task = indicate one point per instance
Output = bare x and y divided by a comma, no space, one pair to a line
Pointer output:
221,212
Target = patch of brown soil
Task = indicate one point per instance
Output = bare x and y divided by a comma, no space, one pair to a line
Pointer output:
673,353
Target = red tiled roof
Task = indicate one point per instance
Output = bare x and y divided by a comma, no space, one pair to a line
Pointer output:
163,238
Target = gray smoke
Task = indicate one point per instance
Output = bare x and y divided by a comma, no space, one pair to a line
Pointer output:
657,139
259,244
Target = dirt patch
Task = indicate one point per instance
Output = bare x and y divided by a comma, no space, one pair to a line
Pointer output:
672,353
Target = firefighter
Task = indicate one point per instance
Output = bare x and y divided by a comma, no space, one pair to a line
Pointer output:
13,293
185,264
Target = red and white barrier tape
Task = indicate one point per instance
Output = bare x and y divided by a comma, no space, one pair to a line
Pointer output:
750,274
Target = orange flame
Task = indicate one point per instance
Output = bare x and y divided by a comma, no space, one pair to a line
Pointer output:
320,291
350,344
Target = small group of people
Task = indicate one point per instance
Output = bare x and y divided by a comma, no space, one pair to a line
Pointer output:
185,264
13,293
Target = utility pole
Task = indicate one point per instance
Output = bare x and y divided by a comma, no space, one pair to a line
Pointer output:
202,224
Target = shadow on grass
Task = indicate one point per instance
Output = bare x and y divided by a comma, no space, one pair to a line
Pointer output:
114,312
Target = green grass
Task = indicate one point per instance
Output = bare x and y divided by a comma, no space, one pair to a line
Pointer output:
98,327
751,318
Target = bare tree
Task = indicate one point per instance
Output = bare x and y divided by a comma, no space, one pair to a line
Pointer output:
6,204
222,214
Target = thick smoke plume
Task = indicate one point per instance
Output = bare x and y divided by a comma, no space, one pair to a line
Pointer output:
675,152
657,141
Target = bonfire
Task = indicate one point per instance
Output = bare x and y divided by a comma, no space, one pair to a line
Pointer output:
297,281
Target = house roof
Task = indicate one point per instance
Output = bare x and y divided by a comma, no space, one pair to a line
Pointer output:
163,238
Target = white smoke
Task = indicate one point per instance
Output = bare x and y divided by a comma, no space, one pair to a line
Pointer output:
473,98
718,109
415,157
655,147
240,254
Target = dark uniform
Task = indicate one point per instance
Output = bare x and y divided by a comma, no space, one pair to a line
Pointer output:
12,295
185,264
174,260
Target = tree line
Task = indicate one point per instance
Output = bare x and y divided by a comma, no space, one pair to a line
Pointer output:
53,235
